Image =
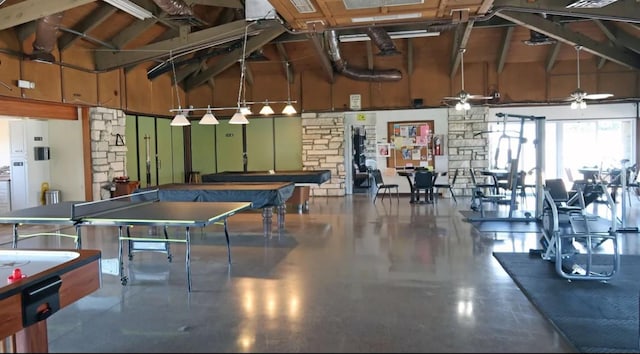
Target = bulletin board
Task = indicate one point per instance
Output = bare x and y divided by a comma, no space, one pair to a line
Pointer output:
411,143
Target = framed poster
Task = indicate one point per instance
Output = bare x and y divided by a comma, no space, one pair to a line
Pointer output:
384,150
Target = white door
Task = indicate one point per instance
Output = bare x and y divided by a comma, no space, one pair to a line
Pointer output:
19,197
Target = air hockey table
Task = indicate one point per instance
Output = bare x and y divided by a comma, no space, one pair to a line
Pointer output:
52,280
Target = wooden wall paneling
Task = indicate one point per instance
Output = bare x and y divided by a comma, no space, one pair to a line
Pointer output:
203,147
163,97
79,86
200,97
9,75
10,68
271,86
288,143
474,78
109,89
524,82
431,83
133,154
621,84
48,86
316,91
344,87
225,92
260,145
33,109
394,94
138,90
229,147
430,80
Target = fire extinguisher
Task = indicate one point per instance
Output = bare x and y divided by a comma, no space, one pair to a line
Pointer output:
437,146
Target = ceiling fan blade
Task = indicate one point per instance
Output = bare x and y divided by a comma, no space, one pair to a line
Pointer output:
479,97
451,98
597,96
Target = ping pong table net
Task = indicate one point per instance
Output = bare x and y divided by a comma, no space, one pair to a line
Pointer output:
94,208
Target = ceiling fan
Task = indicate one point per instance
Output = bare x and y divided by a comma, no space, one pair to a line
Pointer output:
579,96
463,96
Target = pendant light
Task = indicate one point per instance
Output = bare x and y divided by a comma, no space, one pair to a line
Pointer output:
208,118
239,117
180,119
288,109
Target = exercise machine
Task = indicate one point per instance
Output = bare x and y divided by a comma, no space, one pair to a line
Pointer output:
478,197
565,225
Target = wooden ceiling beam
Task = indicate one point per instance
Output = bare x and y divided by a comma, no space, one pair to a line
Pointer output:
222,64
315,39
96,17
30,10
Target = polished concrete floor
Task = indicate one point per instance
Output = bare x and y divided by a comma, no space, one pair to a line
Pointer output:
349,276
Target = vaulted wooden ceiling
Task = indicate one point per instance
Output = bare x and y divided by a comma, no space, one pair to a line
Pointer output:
199,39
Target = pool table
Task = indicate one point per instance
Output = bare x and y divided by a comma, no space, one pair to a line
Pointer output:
302,179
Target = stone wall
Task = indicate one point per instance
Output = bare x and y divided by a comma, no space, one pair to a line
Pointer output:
323,144
108,155
466,150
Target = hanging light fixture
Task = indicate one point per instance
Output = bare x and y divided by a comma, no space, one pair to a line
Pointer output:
288,109
239,116
180,119
266,109
208,118
242,107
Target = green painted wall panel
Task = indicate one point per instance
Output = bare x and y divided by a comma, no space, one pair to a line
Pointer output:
260,144
177,154
288,141
203,148
146,128
130,140
229,146
164,155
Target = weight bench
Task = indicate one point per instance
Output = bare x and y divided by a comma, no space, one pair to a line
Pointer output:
564,220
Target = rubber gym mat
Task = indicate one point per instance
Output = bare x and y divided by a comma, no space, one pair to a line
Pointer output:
595,316
502,226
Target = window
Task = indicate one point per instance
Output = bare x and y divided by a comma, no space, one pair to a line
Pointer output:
572,144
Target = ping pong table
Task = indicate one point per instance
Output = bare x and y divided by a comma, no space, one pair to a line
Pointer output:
262,195
303,179
124,212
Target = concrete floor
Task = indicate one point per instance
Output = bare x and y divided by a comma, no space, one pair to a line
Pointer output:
349,276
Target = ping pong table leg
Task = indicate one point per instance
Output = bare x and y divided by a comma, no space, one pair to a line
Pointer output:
226,235
15,236
78,237
188,258
123,278
166,244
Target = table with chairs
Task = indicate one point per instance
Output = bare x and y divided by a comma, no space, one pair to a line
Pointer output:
422,179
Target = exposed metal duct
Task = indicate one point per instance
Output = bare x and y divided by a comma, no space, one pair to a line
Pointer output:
174,7
357,74
46,36
383,41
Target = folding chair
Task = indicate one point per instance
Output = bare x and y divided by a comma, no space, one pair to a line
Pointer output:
423,181
385,187
449,185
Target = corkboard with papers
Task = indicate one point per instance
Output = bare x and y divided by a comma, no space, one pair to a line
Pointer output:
410,144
